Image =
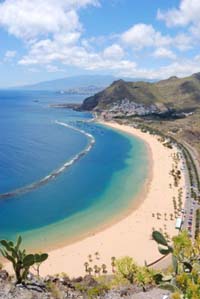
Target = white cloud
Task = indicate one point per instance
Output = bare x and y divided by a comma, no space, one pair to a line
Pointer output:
114,52
53,69
183,41
54,35
46,52
164,53
188,12
180,68
28,19
9,55
142,35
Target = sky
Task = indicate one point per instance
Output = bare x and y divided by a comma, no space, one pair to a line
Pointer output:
47,39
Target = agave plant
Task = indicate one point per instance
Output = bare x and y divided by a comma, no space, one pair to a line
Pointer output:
20,260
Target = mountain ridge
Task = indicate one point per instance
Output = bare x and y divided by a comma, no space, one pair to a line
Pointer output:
142,98
73,82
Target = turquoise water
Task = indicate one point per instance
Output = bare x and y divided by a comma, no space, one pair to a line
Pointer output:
104,169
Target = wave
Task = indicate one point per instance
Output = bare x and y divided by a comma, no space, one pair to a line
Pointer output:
57,172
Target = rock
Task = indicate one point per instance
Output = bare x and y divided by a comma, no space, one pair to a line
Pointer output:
4,275
30,276
152,294
78,279
51,279
90,281
66,282
48,278
123,293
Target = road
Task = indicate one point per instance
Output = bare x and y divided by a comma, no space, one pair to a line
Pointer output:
191,205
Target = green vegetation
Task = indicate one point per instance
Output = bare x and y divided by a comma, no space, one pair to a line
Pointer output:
54,290
197,223
174,93
97,291
193,174
21,261
126,268
185,279
94,265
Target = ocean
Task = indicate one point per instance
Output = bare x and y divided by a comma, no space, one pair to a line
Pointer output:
61,175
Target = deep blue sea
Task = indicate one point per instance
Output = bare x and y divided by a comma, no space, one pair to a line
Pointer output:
61,174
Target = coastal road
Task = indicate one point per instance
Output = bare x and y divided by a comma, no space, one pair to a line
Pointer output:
190,204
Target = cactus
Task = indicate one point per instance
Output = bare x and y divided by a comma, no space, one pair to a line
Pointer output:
39,259
165,249
20,260
177,259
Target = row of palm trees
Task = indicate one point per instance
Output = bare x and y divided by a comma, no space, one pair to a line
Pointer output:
98,269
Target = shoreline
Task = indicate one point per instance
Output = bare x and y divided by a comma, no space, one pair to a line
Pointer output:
124,230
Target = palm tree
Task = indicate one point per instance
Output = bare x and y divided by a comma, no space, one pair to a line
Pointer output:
86,264
90,258
96,269
97,255
113,263
99,270
165,216
104,269
90,270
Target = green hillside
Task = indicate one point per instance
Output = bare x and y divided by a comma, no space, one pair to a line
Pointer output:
173,93
171,106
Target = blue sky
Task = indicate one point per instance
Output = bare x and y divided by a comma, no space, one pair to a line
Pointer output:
48,39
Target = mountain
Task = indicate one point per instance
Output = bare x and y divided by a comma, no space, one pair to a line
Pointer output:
76,82
142,98
169,106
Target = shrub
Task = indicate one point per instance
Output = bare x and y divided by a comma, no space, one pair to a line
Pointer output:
53,289
126,268
145,276
176,295
97,291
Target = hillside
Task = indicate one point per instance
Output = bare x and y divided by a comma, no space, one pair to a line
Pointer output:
141,98
171,106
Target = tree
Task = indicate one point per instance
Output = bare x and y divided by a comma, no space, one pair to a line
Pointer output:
86,264
113,263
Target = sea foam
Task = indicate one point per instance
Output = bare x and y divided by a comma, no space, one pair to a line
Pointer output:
54,173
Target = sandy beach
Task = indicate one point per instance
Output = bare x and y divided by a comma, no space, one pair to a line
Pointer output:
132,235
